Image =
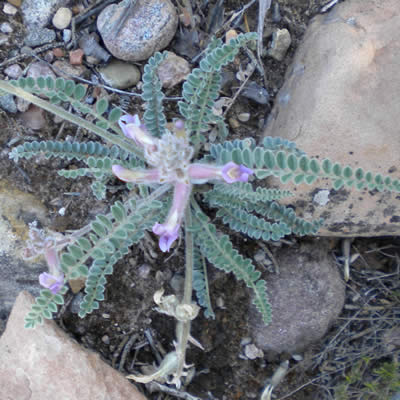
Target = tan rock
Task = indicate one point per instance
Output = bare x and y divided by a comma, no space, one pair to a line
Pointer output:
45,363
341,101
173,70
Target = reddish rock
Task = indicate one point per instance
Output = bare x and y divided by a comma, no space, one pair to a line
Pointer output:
76,57
46,364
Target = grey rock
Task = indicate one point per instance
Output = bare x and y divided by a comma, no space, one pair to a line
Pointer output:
256,93
280,44
3,39
62,18
150,27
9,9
37,37
13,71
5,27
306,298
7,103
92,48
38,13
120,75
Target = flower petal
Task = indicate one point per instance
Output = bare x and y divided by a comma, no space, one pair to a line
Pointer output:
136,176
51,282
232,172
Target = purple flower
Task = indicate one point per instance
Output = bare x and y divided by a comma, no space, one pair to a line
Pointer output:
169,230
54,283
133,129
232,172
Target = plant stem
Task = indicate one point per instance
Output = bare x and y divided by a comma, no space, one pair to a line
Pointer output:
183,327
46,105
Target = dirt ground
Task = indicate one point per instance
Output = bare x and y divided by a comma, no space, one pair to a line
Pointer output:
126,330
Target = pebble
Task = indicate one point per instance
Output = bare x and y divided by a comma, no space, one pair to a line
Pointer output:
37,37
233,123
66,70
256,93
89,44
252,352
33,118
173,70
150,27
144,271
105,339
76,57
22,104
13,71
67,35
40,68
7,103
62,18
5,27
280,44
3,39
244,117
58,52
9,9
120,75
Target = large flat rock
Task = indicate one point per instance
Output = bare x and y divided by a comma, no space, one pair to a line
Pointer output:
341,101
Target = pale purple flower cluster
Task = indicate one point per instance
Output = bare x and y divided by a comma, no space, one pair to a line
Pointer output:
170,156
41,244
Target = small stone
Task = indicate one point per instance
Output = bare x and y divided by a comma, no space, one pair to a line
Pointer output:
68,71
9,9
40,68
49,56
120,75
7,103
144,271
256,93
22,104
67,35
33,118
280,44
173,70
106,316
76,57
58,52
13,71
105,339
231,34
233,123
150,27
38,37
62,18
252,352
3,39
177,282
244,117
5,27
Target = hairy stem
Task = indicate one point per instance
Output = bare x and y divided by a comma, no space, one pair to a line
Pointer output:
183,327
109,137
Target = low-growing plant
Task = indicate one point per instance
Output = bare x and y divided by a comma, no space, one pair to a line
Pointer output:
364,382
165,163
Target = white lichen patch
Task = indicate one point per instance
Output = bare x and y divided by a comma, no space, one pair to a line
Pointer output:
322,197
